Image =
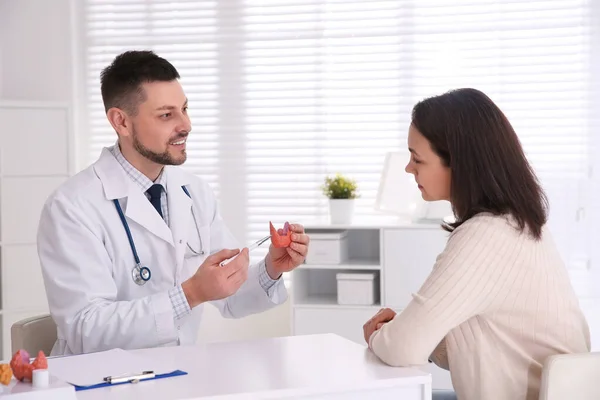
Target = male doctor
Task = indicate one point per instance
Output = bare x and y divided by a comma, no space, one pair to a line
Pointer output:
131,247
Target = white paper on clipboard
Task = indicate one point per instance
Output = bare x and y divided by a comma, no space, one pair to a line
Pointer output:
91,369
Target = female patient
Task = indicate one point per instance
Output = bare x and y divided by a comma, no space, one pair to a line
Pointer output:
499,300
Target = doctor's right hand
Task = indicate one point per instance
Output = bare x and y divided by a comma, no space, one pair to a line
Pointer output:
213,282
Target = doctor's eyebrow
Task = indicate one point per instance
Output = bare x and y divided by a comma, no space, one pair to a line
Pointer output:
171,107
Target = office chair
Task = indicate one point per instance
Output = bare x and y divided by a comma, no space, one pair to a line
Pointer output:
34,334
571,376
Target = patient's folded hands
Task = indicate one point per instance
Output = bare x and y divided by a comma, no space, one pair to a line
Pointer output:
382,317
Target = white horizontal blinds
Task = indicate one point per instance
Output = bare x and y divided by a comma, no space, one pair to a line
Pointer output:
534,60
593,193
185,33
284,92
322,89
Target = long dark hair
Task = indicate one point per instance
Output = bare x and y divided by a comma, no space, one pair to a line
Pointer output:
488,169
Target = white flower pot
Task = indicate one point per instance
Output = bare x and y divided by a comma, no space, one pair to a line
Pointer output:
341,211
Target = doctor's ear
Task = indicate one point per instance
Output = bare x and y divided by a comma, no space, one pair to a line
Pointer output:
119,120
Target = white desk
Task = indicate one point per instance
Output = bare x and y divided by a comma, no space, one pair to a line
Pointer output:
297,367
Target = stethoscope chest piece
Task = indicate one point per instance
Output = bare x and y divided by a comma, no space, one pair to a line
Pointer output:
140,274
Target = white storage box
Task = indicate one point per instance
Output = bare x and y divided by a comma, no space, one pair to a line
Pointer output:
356,288
328,247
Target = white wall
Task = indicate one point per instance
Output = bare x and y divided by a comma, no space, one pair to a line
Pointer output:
36,62
34,70
2,39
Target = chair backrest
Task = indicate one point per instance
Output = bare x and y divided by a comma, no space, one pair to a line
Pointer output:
34,334
571,376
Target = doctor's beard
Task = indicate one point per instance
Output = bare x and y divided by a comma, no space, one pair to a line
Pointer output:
163,158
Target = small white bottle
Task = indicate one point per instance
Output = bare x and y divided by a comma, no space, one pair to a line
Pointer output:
40,378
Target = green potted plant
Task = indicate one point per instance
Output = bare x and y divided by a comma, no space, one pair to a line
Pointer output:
341,192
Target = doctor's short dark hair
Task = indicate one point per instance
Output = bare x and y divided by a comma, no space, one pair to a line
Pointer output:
488,168
120,82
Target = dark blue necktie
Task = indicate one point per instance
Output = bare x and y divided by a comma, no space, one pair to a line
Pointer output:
155,192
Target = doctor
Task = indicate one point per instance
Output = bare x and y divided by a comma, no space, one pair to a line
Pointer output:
130,247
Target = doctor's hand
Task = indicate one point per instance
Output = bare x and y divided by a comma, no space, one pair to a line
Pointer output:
213,282
382,317
285,259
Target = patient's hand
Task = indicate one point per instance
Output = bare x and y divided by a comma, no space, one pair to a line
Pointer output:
383,316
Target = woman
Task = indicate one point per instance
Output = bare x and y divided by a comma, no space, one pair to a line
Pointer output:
498,300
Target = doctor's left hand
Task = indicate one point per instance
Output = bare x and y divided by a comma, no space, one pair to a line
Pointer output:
280,260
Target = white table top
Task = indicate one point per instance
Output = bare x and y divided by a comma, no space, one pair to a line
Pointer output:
267,368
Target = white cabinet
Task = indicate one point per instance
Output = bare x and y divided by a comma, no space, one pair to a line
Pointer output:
346,322
400,256
35,158
408,257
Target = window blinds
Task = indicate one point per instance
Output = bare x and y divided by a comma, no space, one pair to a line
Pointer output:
283,92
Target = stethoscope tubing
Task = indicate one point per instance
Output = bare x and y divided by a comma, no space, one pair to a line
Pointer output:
142,274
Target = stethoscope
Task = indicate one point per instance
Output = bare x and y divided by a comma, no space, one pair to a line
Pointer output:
142,274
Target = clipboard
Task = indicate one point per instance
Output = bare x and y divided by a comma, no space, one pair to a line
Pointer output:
132,379
108,368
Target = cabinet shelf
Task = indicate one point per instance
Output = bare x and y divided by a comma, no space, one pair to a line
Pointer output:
319,287
356,264
329,301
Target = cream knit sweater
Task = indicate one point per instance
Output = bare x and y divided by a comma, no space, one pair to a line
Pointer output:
496,304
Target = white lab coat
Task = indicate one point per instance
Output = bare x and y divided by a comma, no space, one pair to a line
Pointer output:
87,261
